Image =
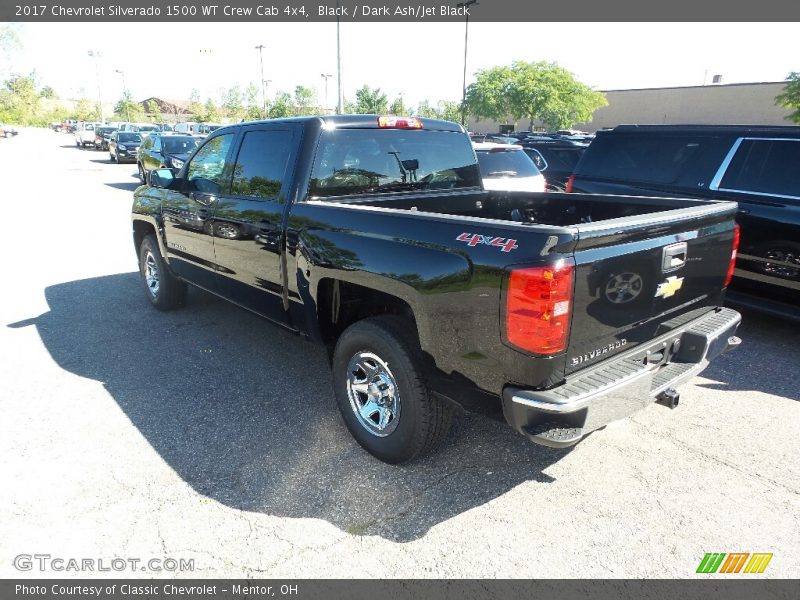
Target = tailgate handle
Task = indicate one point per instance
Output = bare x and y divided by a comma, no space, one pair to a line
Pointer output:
673,257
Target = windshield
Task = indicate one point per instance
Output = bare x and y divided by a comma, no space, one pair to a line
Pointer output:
506,163
363,161
129,137
179,145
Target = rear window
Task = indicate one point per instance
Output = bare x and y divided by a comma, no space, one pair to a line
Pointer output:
365,161
558,159
506,163
765,166
179,145
638,158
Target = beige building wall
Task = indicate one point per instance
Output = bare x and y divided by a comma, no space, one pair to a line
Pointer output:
725,104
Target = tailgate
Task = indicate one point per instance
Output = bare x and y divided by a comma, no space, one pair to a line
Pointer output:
635,278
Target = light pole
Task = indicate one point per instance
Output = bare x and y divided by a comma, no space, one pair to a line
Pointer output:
96,55
340,101
466,6
124,98
260,49
325,106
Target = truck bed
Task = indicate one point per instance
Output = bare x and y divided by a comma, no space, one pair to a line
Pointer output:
554,208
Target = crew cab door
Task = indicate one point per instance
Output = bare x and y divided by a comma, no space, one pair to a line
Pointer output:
187,211
248,223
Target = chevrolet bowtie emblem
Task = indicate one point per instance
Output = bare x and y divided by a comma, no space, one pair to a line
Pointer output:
669,287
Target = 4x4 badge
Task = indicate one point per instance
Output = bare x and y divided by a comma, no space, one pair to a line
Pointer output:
669,287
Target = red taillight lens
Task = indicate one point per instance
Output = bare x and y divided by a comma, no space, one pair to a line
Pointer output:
539,306
399,122
734,250
570,181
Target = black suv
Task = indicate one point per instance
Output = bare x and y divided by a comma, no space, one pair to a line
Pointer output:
555,158
124,145
163,149
758,166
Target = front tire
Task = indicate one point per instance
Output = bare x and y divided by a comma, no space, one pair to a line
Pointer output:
141,173
163,289
381,392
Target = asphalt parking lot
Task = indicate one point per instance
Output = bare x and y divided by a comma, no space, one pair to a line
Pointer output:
208,434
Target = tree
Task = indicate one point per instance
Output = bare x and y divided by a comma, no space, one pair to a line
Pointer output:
398,107
210,112
281,106
790,97
20,100
85,110
253,106
490,95
48,92
195,106
446,110
233,103
371,102
153,110
540,91
128,110
304,101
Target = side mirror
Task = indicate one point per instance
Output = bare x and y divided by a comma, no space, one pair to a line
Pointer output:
161,178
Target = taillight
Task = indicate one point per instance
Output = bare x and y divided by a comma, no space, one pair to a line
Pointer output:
538,307
399,123
734,250
570,181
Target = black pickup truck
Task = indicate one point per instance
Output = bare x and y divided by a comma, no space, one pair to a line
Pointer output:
372,235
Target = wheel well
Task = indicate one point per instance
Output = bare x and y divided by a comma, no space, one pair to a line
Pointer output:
141,229
340,304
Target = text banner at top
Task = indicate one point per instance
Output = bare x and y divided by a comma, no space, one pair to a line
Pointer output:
512,11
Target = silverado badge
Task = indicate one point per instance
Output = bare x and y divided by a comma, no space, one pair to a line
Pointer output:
669,287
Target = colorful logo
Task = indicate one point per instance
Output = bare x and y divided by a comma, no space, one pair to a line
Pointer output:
734,562
473,239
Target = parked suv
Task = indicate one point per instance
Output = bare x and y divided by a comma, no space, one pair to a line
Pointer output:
757,166
506,168
162,149
102,134
123,146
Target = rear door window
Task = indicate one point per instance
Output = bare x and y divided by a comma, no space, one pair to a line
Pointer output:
656,159
262,163
765,166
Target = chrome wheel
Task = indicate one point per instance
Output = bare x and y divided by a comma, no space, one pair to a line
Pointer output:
373,394
623,288
151,274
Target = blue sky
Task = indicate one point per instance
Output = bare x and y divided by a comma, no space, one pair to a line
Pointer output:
421,61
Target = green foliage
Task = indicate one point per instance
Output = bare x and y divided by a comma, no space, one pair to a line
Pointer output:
305,101
398,107
540,91
48,92
152,110
195,106
444,109
233,104
253,105
210,112
85,110
126,109
790,97
281,106
370,102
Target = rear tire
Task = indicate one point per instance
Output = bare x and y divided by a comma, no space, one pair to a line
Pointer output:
163,289
142,177
381,392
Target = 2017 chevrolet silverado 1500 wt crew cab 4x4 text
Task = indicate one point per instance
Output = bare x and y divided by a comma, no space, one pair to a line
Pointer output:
374,236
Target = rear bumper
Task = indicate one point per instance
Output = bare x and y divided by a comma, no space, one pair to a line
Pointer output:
622,385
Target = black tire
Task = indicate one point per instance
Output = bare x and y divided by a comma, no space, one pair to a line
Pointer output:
422,420
142,177
168,292
116,158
